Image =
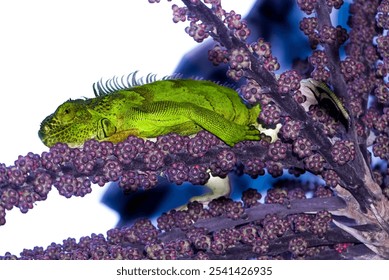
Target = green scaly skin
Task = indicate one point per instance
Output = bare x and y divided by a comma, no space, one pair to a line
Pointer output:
161,107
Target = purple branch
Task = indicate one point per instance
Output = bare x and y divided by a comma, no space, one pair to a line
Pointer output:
261,210
349,173
332,52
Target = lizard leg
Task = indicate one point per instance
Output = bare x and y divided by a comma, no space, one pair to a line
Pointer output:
120,136
228,131
170,113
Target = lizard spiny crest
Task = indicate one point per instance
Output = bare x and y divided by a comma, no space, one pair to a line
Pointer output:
126,82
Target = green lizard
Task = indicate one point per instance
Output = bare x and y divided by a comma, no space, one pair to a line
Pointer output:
160,107
149,110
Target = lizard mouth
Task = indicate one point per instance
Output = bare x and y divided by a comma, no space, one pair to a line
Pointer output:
44,135
50,131
45,129
41,135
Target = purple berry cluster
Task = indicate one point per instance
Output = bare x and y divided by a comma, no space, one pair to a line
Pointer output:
134,164
194,234
289,82
319,60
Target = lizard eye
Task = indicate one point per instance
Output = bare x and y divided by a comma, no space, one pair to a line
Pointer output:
66,112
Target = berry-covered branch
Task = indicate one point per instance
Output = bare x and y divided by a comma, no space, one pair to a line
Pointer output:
253,66
247,61
324,130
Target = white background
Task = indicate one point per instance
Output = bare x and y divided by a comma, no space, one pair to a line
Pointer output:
51,51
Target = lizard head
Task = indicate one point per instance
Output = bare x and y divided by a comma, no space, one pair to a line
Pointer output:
72,123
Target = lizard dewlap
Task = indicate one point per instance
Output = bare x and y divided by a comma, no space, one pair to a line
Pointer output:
149,110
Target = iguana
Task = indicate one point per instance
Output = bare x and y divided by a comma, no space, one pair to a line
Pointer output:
159,107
